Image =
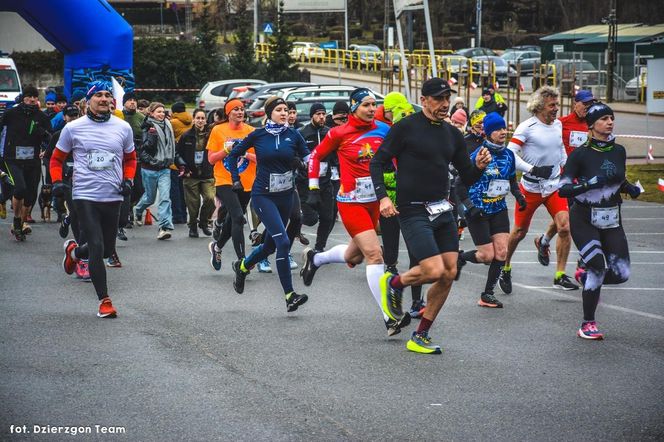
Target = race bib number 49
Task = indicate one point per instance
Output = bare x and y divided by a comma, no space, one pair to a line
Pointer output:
605,217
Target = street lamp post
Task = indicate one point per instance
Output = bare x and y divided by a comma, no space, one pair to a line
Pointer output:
611,51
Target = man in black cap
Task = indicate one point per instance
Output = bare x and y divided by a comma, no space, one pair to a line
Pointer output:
317,206
25,128
425,146
339,115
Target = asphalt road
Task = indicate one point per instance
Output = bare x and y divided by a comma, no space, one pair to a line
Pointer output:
188,359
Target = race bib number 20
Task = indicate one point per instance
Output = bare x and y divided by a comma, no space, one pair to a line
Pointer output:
100,160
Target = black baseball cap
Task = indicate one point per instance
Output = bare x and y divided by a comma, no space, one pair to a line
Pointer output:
71,110
435,87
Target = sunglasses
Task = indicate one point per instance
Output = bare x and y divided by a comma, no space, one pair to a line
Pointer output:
340,118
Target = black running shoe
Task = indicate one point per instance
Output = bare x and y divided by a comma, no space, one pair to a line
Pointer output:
460,263
64,227
505,281
392,268
293,301
17,229
122,236
489,300
206,230
303,239
394,327
564,283
240,276
309,268
542,251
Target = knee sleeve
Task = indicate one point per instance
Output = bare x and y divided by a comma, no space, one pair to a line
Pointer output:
618,270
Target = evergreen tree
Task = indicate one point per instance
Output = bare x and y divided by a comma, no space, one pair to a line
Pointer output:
243,63
207,33
280,66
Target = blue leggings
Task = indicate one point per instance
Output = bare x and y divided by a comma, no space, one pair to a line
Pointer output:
274,211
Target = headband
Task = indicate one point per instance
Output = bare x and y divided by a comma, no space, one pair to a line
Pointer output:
232,104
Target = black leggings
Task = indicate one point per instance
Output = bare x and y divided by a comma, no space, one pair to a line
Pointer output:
99,225
604,252
26,175
73,215
390,231
233,226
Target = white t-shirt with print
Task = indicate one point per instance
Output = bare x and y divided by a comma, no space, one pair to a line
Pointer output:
535,143
98,150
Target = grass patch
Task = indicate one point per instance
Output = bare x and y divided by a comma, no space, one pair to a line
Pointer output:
648,175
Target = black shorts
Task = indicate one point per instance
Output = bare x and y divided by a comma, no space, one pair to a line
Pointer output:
426,238
483,228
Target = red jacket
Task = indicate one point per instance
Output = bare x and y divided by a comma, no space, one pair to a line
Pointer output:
356,142
575,131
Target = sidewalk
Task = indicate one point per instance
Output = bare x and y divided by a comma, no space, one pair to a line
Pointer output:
373,77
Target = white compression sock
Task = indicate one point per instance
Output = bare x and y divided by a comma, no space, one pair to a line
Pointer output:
374,272
334,255
545,240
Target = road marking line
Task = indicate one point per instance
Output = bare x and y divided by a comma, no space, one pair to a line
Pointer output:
607,287
632,263
549,291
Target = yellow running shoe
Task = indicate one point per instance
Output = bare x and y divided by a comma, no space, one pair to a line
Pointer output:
421,343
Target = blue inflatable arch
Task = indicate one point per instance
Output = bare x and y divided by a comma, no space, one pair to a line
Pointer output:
96,41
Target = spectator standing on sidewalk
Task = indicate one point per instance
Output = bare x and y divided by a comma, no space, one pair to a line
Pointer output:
181,122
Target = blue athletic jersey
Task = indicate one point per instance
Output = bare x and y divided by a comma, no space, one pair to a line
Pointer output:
274,155
501,167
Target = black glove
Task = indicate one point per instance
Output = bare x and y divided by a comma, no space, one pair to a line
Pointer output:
298,164
596,182
125,187
521,201
541,171
314,199
474,213
632,190
58,189
237,186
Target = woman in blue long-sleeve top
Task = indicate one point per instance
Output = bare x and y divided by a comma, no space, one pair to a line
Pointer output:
279,149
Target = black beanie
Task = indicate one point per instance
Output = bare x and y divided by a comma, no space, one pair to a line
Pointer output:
291,106
128,96
597,111
60,97
178,107
30,91
315,108
271,103
340,107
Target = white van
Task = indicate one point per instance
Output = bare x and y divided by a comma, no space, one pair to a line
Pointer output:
10,85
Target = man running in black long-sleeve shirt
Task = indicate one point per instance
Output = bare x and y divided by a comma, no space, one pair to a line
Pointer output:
424,146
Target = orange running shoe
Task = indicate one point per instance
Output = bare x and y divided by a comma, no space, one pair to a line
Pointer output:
106,309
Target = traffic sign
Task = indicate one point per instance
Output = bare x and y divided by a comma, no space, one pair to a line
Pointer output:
267,28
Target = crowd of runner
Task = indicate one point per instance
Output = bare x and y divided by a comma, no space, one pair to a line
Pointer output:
384,170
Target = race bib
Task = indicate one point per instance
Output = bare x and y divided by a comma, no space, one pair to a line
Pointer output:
100,160
605,217
549,186
438,207
577,138
228,145
364,189
335,173
25,152
281,181
323,169
198,157
498,188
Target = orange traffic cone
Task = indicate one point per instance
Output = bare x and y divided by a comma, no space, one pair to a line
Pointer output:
148,217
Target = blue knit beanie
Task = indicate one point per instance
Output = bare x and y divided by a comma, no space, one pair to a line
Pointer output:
493,122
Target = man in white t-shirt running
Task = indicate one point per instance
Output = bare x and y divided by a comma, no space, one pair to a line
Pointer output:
102,146
538,147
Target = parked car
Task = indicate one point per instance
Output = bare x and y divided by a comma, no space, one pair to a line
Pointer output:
633,86
504,72
323,90
454,63
583,72
364,56
305,51
214,93
256,91
475,52
524,48
527,59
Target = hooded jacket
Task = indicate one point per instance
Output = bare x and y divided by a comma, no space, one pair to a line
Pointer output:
23,126
181,122
158,145
186,155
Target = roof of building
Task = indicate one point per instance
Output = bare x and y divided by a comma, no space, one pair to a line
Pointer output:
628,35
586,32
